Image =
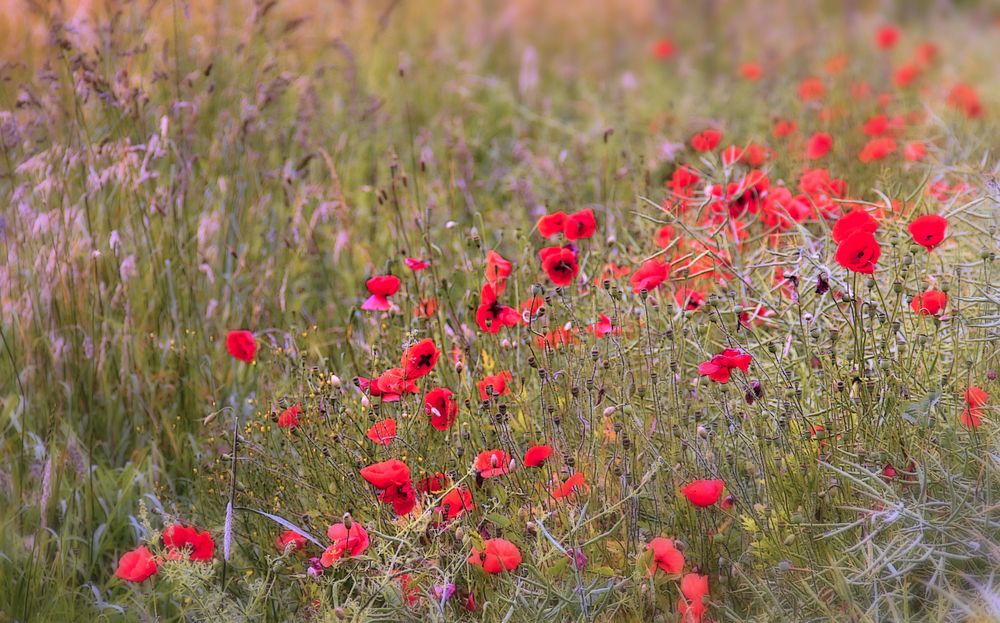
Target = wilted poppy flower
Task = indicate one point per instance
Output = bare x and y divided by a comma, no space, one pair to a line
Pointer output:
706,140
498,555
576,483
490,463
691,607
290,538
877,149
180,540
383,432
552,224
535,455
856,220
414,264
559,263
720,367
439,403
650,275
928,231
703,493
498,382
136,565
689,299
491,316
381,288
497,271
419,359
666,556
241,345
819,145
351,542
455,503
930,303
387,474
663,49
580,224
859,253
289,418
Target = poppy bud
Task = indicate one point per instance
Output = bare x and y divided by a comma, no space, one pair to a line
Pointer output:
348,521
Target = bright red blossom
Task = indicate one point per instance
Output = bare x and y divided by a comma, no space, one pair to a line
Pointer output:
383,432
351,542
928,231
182,541
720,367
666,556
859,252
440,405
703,493
535,455
497,556
930,303
419,359
136,565
241,345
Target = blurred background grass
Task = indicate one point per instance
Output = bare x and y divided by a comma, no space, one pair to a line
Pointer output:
175,169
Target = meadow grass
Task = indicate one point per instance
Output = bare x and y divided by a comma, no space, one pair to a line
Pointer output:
173,171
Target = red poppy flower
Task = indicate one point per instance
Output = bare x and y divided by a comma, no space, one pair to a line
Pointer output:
391,385
859,253
383,432
666,556
136,565
975,396
490,463
289,418
877,149
966,99
886,37
535,455
439,403
580,224
783,128
491,316
603,327
455,503
435,483
497,271
930,303
415,264
665,235
576,483
689,299
650,275
706,140
552,224
915,151
181,540
498,556
663,49
419,359
971,417
819,145
720,367
403,498
380,288
928,231
906,74
691,607
387,474
290,538
751,71
854,221
241,345
351,542
559,264
426,308
703,493
498,382
811,89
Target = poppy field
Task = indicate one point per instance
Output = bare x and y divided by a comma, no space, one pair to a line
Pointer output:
499,311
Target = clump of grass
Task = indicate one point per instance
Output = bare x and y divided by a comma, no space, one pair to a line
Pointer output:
172,175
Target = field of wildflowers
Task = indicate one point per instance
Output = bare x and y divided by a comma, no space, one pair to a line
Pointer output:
499,311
